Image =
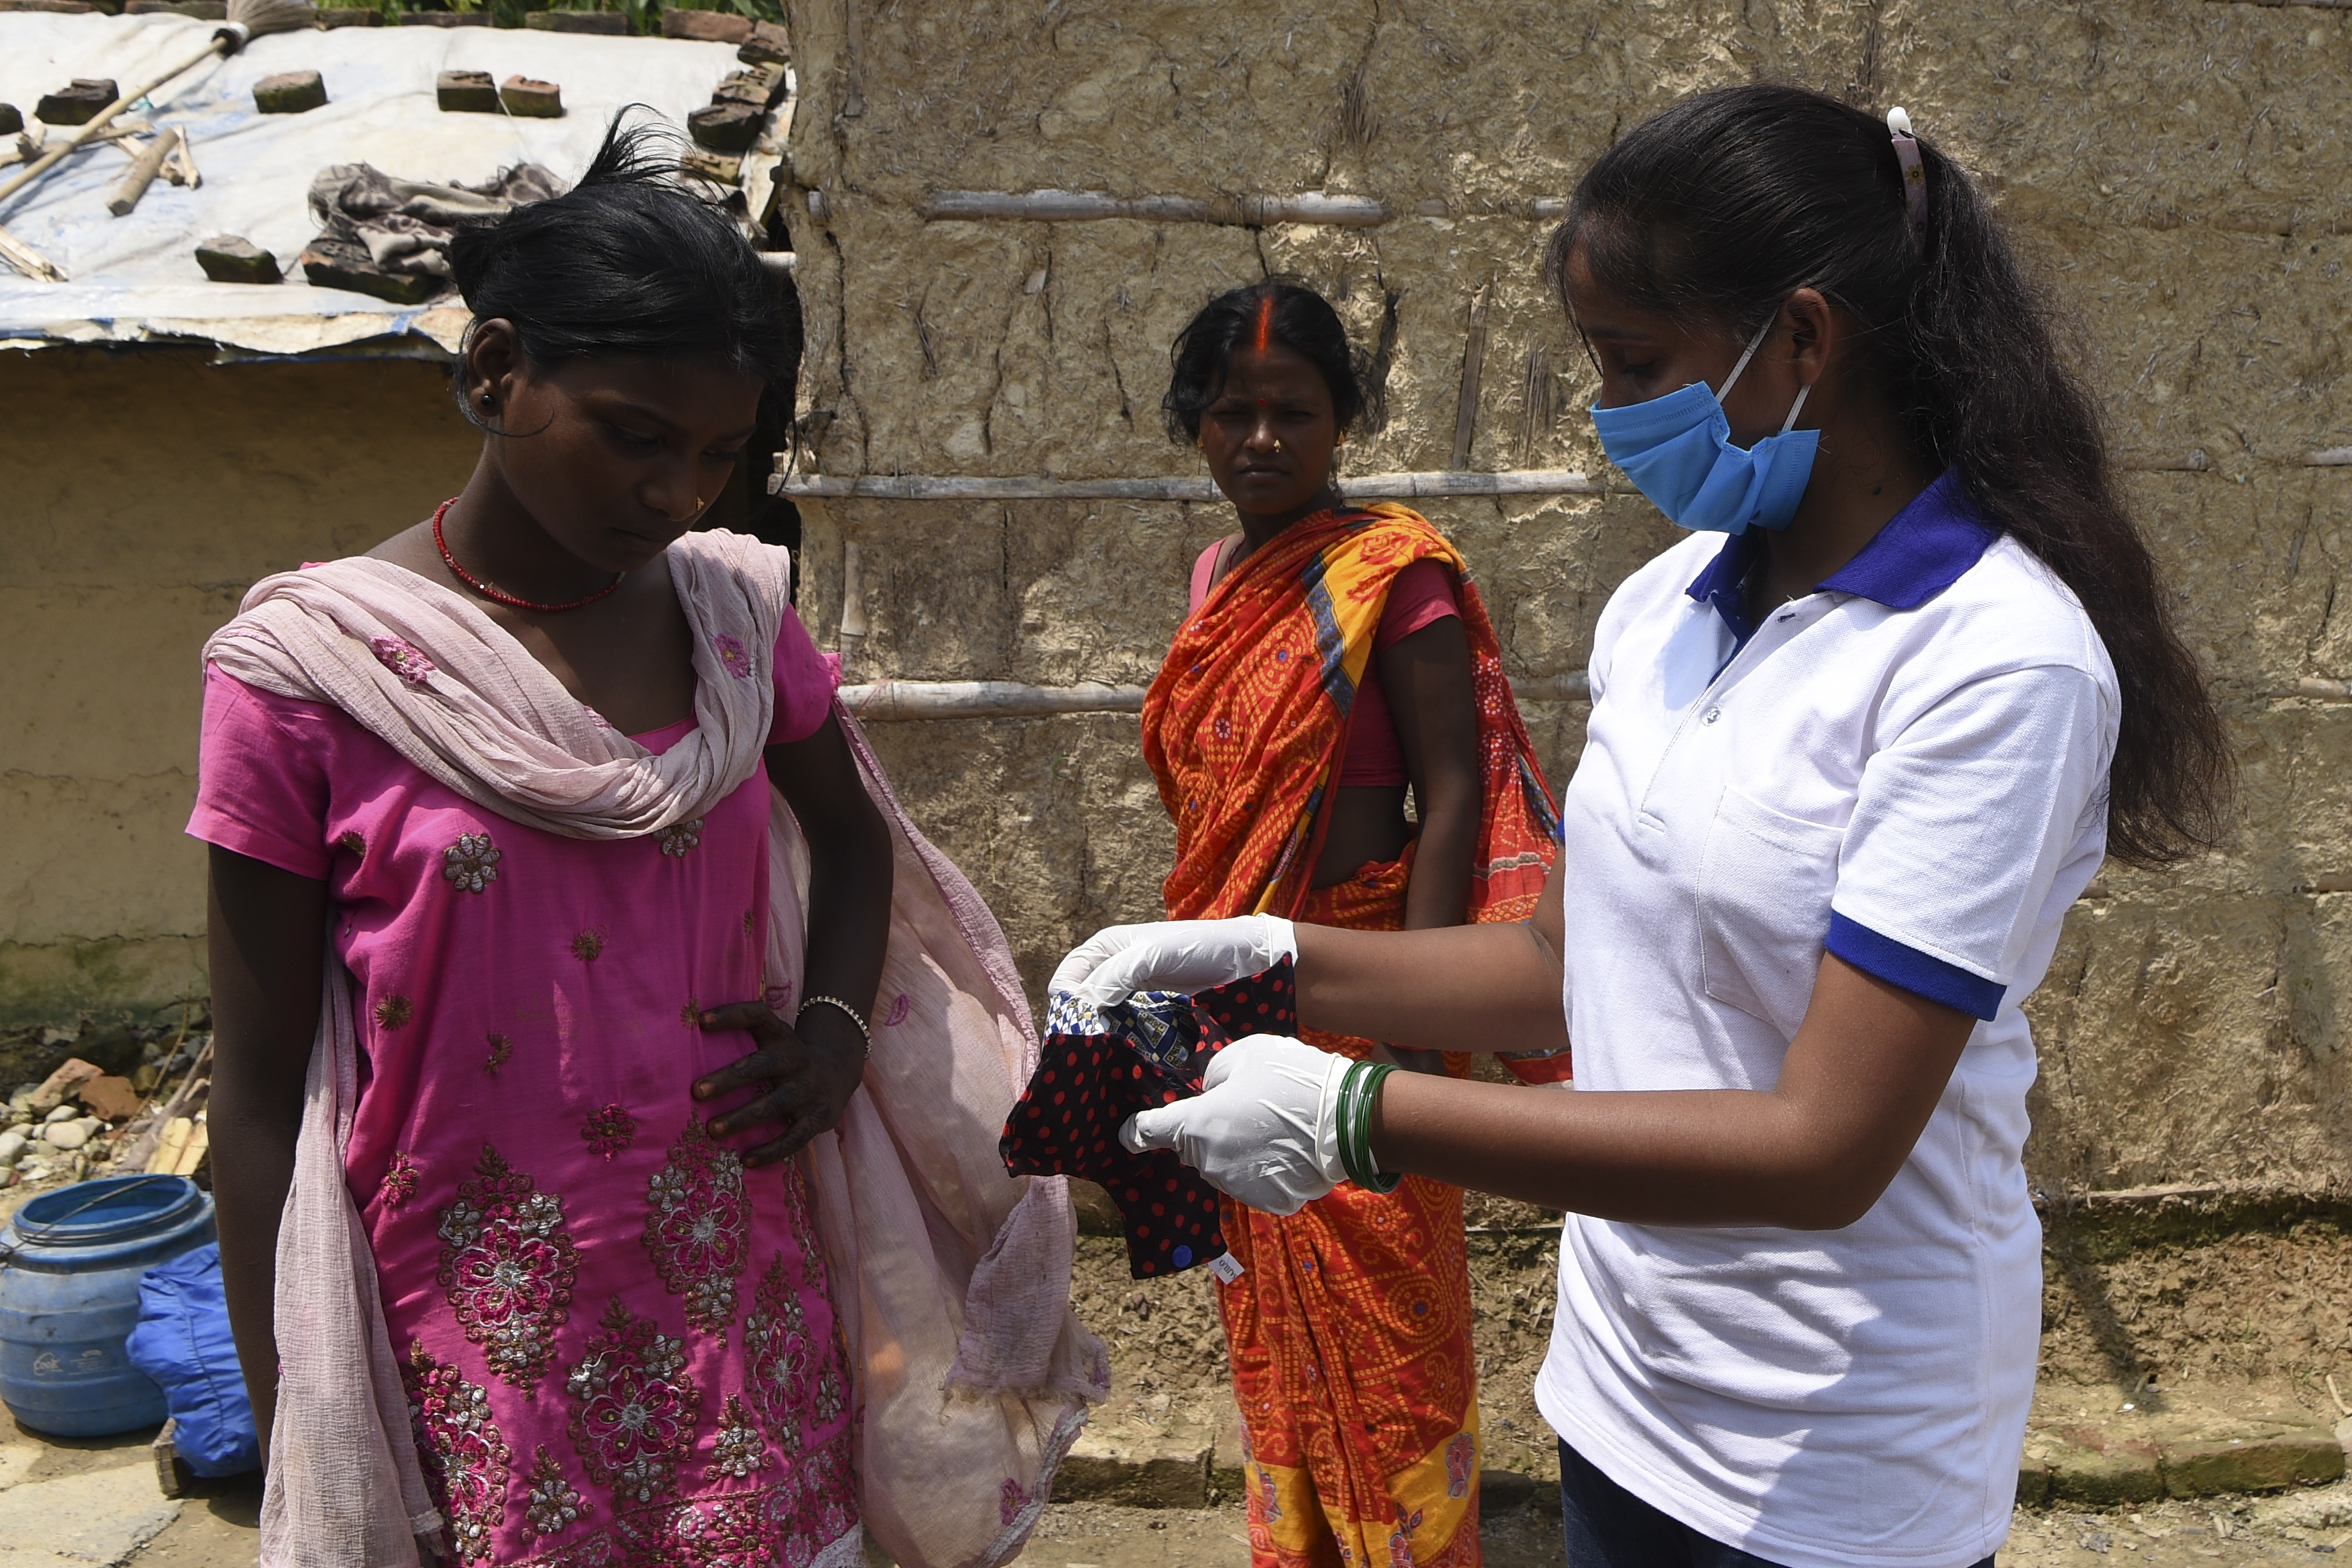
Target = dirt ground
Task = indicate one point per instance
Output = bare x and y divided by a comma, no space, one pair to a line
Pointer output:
2250,1321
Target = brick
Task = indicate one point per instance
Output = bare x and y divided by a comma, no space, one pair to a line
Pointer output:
705,27
77,104
445,18
351,17
759,86
1228,1451
725,127
2088,1467
2032,1483
769,45
332,263
290,92
607,22
1161,1475
197,10
527,98
723,168
62,7
466,92
2269,1463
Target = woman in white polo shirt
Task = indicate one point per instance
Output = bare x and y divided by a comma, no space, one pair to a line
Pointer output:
1845,771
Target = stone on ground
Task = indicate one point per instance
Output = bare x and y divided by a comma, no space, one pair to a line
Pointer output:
527,98
100,1517
289,92
77,104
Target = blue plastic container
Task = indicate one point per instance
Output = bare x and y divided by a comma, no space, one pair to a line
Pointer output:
69,1268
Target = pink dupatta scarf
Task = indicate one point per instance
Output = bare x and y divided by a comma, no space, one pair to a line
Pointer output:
951,1278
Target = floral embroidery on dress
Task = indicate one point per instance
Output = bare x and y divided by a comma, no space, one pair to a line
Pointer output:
353,842
801,1219
1010,1501
501,1048
739,1449
393,1011
698,1228
731,654
680,837
552,1504
778,998
609,1131
831,1397
691,1014
780,1358
471,863
588,945
508,1265
459,1447
405,659
399,1184
634,1410
899,1008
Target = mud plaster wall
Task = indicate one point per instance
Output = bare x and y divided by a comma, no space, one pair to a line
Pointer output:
139,494
2179,168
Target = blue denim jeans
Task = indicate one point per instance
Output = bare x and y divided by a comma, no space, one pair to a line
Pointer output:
1608,1526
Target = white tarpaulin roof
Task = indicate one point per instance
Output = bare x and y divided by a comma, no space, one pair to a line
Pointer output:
136,277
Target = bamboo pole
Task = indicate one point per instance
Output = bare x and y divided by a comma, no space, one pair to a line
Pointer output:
1422,485
888,699
883,701
1474,363
1088,206
140,174
28,260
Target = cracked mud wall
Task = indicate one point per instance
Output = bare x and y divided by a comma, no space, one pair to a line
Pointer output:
2178,168
139,494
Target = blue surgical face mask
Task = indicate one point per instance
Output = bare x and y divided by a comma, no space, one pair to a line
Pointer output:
1677,451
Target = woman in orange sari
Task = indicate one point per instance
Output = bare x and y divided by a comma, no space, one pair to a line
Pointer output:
1334,656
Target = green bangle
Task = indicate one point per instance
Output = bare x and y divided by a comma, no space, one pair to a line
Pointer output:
1358,1091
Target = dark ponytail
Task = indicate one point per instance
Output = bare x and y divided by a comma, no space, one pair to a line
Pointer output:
628,261
1724,204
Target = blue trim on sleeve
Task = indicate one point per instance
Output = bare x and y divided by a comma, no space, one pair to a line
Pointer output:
1915,972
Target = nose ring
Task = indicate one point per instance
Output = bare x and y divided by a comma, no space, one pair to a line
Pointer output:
1277,443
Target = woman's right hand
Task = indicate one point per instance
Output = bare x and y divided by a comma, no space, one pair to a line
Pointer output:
1173,956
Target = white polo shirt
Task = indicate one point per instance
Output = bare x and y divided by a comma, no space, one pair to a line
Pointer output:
1907,767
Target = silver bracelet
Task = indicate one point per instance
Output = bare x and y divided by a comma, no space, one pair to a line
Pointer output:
822,1001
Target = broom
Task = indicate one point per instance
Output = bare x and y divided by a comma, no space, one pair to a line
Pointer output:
248,20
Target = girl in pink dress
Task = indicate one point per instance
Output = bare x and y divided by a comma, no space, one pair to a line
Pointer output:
571,1093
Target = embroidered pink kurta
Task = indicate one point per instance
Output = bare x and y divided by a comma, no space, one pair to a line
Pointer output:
618,1341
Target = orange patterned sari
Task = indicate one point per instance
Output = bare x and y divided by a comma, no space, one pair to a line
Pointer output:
1349,1324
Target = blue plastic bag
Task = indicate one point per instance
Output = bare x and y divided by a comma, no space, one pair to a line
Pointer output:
183,1342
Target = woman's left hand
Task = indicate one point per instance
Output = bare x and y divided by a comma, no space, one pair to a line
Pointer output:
813,1072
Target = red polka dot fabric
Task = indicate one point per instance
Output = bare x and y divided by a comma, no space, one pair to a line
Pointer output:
1151,1052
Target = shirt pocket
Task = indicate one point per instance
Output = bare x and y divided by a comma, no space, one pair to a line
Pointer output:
1764,881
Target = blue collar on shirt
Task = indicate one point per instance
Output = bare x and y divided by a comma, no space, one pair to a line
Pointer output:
1923,550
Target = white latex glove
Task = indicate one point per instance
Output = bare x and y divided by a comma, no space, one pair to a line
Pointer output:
1265,1126
1173,956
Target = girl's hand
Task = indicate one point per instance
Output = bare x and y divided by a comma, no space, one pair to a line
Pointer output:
814,1072
1173,956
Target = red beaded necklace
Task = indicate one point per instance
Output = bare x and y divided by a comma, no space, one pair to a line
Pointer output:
487,592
